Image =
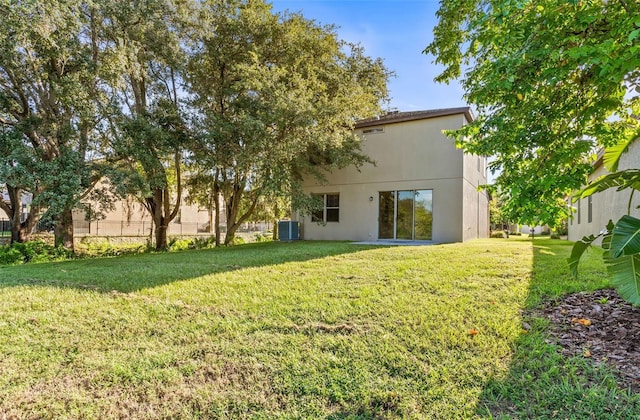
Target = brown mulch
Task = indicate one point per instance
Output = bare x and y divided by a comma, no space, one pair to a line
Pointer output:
602,326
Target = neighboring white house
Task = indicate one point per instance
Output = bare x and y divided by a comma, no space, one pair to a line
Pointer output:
592,214
421,187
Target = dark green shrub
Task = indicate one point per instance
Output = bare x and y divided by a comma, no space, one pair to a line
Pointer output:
34,251
10,255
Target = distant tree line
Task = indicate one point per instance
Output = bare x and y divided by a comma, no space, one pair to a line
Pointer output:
223,99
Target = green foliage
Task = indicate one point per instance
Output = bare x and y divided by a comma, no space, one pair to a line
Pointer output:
177,244
103,99
32,252
108,249
203,243
623,258
498,234
552,80
621,243
264,238
53,94
585,243
10,255
278,95
625,239
238,241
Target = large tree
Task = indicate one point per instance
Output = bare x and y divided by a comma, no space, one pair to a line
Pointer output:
150,133
278,96
50,96
552,80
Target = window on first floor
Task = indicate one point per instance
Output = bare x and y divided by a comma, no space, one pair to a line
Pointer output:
330,211
590,209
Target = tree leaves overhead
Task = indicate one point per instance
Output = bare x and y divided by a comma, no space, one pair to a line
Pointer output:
552,81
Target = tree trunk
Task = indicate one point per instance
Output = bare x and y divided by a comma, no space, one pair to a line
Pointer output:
210,214
156,207
16,233
14,210
233,210
63,229
231,233
161,237
216,198
232,206
276,213
159,207
20,230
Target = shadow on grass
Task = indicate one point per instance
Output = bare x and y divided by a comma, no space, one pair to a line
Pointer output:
541,382
141,271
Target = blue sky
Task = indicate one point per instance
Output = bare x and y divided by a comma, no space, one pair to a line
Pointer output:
395,30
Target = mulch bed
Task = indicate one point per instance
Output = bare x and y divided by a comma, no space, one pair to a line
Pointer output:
602,326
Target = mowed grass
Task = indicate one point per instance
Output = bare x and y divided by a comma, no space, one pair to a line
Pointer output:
297,330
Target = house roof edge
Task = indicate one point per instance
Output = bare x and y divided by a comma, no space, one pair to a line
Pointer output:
397,117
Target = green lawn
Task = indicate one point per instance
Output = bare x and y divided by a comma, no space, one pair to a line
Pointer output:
298,330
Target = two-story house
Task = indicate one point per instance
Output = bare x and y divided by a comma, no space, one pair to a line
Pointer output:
421,188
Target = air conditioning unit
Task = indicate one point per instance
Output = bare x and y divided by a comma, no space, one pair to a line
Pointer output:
288,230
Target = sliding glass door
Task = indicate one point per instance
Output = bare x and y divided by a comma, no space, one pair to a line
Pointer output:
387,215
406,215
423,216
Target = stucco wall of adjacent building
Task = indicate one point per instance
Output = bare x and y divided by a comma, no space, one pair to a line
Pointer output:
475,201
129,218
409,155
606,205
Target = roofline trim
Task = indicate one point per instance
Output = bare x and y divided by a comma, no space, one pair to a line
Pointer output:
414,116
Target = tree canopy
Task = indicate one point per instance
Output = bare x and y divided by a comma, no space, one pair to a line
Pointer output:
553,82
138,94
51,94
277,95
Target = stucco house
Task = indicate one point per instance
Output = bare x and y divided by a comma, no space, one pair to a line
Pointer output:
129,218
421,188
592,214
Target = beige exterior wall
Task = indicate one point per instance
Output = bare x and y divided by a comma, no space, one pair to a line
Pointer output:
130,218
475,201
408,155
607,205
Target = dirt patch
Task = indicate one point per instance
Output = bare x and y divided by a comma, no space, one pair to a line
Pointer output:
601,326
